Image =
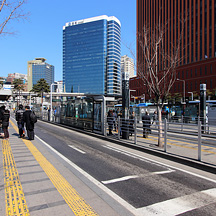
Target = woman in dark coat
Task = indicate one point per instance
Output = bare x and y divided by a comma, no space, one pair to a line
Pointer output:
5,123
28,123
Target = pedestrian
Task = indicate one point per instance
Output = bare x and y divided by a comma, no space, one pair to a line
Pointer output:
110,120
146,124
155,118
48,114
115,117
2,108
20,121
28,123
5,123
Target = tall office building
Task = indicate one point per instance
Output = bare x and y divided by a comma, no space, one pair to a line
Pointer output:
193,23
91,56
38,69
127,65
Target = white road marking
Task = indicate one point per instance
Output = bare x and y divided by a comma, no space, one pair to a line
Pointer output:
163,172
180,205
125,178
120,179
159,163
73,147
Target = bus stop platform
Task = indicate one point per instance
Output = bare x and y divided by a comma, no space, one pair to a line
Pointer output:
34,181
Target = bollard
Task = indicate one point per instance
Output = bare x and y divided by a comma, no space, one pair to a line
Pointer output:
119,127
165,135
182,120
199,139
105,127
135,130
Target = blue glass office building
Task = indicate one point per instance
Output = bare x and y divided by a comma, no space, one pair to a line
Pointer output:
44,71
38,69
91,56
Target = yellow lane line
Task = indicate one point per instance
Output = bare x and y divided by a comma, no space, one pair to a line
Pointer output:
188,147
77,204
193,148
14,196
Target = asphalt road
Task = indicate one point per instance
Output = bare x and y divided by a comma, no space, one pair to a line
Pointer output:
148,185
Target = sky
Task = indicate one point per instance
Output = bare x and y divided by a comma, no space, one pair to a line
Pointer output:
41,34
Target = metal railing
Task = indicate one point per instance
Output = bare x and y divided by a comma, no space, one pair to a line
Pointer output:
200,135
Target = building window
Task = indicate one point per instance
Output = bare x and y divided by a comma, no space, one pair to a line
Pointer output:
191,72
182,74
191,86
210,83
187,74
196,72
211,69
195,85
200,71
205,70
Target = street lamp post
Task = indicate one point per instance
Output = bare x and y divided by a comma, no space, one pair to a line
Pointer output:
130,90
191,95
183,87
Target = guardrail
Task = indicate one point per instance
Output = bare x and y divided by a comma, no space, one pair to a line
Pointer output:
200,136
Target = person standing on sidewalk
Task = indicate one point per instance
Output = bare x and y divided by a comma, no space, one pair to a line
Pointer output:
28,123
20,121
5,123
146,124
1,116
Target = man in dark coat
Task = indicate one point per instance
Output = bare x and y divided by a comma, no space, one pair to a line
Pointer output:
110,120
28,123
1,116
20,121
146,124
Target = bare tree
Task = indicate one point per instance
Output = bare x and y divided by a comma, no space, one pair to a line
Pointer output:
10,10
157,64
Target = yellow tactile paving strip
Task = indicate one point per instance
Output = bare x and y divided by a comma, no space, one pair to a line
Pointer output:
14,196
77,204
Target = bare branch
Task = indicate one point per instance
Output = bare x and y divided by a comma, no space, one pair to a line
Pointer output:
10,10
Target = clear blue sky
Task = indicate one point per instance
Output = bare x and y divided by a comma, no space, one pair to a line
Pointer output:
41,34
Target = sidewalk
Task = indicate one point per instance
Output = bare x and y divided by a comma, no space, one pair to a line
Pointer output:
36,182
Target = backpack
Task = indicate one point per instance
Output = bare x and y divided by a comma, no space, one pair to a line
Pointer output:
19,115
33,117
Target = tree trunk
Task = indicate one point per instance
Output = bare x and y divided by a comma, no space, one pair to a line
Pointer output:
160,131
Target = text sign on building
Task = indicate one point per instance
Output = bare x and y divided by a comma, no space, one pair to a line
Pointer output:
125,76
203,87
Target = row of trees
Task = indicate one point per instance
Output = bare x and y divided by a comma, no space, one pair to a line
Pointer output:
41,87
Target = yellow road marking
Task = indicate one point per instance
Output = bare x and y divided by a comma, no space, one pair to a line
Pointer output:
77,204
14,196
188,147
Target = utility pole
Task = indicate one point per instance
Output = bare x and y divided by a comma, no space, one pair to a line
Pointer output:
125,105
203,106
